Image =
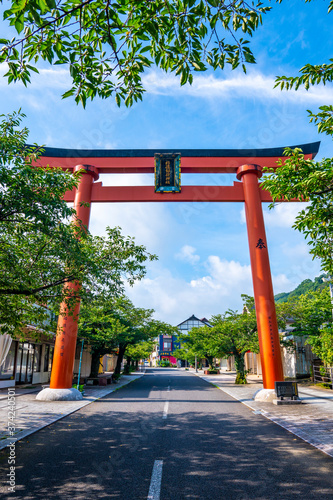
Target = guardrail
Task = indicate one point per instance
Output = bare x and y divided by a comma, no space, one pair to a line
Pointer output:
323,374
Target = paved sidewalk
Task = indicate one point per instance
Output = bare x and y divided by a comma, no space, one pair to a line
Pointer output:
27,415
312,421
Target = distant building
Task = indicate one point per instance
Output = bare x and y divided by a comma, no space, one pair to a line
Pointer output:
192,322
167,344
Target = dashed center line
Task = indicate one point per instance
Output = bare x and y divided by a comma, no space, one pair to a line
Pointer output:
166,408
156,480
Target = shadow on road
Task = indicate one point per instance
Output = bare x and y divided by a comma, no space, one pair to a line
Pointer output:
212,449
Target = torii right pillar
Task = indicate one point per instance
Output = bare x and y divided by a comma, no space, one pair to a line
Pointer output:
269,342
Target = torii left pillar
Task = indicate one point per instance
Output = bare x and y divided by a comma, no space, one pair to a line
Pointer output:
65,344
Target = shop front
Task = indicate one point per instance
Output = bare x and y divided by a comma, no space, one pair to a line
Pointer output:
26,363
168,355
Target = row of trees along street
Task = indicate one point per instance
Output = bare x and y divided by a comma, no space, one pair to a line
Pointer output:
106,48
114,325
231,334
235,333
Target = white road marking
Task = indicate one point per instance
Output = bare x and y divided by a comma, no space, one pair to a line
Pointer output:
165,411
156,480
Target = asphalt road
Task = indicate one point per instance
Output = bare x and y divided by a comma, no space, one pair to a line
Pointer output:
169,436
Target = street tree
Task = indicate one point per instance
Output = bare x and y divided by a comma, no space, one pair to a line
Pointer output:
322,344
231,334
100,329
107,46
141,327
307,312
200,342
114,261
310,316
236,334
185,352
42,247
135,352
112,324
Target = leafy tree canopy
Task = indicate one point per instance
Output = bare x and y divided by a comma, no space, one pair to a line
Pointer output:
237,332
200,342
108,45
308,312
99,326
39,246
112,325
310,315
322,345
141,350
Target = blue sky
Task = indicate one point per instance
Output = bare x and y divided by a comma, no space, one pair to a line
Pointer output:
203,265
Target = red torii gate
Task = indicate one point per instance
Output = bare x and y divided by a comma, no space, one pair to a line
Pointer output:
246,164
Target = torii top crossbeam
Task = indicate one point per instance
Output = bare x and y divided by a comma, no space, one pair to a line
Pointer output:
141,161
136,161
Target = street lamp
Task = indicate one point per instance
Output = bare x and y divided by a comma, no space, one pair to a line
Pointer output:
80,362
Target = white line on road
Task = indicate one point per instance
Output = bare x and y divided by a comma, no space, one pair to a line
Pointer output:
165,411
156,480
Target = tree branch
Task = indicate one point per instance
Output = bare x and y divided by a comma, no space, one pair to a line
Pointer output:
34,291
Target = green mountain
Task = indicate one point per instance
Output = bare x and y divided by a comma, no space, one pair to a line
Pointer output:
306,286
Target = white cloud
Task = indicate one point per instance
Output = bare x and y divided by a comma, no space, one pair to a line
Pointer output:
205,85
254,84
148,223
174,299
187,254
281,283
282,215
127,179
299,251
224,276
53,77
162,293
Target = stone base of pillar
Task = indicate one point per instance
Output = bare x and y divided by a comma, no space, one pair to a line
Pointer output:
59,395
265,395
